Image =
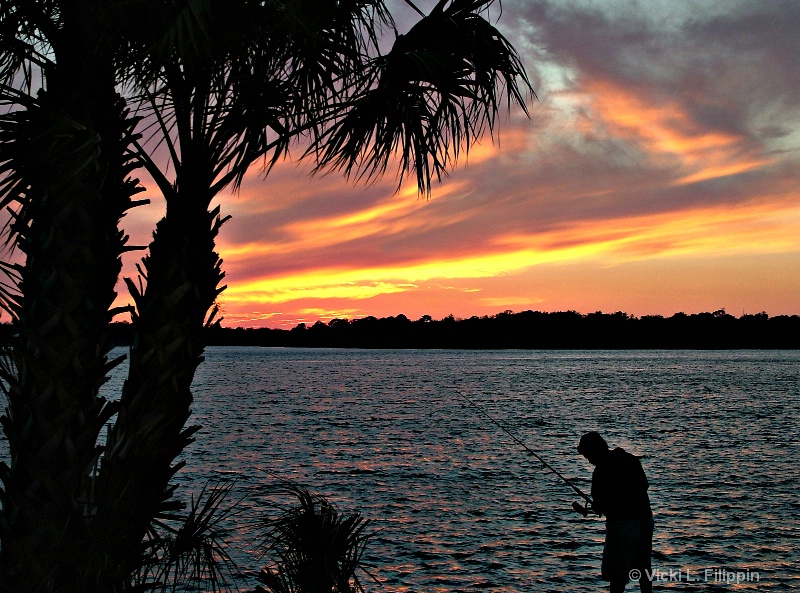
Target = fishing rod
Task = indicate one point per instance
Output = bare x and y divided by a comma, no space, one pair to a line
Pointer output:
583,510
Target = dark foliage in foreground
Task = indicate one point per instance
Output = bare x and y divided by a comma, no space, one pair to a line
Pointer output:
194,92
532,330
313,548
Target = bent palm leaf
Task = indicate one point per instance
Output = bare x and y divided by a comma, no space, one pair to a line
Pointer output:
430,97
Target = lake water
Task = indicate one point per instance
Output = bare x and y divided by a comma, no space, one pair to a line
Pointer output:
457,505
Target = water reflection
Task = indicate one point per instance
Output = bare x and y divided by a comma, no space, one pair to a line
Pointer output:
458,506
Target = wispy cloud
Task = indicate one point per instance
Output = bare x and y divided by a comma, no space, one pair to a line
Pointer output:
665,135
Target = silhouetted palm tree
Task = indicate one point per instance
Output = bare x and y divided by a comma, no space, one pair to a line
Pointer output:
218,85
64,175
313,548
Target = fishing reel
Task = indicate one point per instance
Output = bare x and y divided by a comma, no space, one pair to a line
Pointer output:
582,509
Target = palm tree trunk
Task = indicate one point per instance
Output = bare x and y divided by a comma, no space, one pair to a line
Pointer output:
77,194
183,273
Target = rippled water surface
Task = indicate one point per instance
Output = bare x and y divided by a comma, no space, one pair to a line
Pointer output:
457,505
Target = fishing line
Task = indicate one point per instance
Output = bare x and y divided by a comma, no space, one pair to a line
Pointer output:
475,405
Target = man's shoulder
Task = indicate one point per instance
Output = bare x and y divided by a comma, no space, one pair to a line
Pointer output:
619,457
620,453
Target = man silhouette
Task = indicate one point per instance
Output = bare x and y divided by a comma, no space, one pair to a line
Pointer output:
619,492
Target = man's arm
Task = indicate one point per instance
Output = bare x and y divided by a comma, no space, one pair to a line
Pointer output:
599,492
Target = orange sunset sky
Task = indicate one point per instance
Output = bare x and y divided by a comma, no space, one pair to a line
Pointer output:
659,172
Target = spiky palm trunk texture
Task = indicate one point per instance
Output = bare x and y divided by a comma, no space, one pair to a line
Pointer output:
183,273
70,152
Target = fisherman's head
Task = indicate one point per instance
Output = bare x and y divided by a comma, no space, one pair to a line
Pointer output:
593,447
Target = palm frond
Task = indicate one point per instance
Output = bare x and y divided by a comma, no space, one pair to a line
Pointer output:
431,97
251,76
27,31
188,547
313,548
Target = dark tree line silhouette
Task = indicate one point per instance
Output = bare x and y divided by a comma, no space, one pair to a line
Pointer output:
523,330
532,330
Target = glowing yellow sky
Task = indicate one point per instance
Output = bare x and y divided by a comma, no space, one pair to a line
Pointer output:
756,231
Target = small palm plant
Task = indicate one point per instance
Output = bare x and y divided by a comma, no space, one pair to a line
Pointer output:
313,548
185,550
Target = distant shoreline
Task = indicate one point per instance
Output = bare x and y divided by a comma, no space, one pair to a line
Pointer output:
532,330
527,330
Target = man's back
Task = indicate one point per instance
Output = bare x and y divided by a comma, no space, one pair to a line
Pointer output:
619,487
